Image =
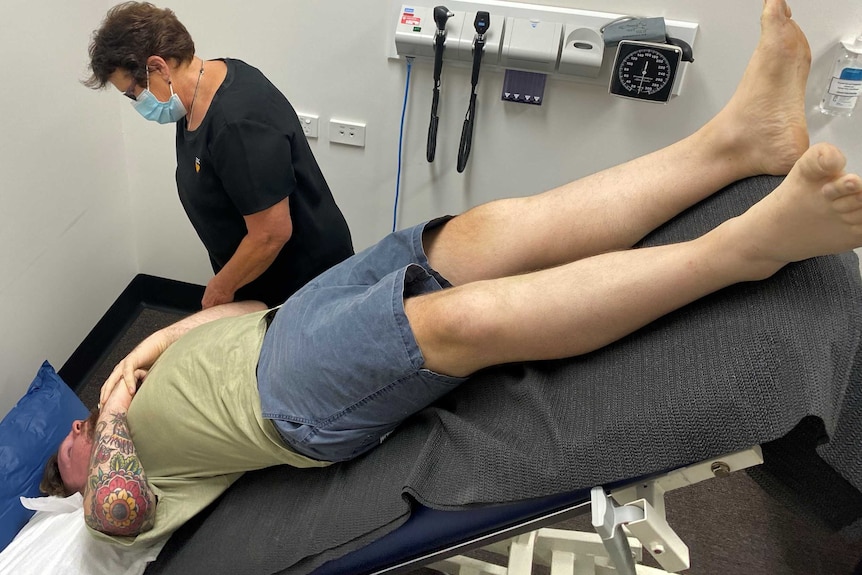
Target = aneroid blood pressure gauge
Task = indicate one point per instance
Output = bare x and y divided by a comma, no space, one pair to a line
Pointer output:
645,70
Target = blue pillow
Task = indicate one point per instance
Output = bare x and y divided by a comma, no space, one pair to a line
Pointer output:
29,435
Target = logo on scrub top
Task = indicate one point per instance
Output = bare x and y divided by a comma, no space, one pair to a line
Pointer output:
197,165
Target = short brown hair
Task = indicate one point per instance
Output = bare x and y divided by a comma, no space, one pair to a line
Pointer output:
131,33
52,481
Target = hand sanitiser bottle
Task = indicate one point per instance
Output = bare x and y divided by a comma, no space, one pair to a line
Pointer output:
845,85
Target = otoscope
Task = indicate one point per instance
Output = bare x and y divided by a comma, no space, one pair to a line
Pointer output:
481,24
441,16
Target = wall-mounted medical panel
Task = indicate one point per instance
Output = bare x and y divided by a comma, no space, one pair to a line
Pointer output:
416,29
532,44
493,37
582,52
414,33
563,42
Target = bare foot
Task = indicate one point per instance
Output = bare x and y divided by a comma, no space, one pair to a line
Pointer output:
763,125
816,211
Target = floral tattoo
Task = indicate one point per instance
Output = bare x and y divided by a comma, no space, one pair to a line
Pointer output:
123,503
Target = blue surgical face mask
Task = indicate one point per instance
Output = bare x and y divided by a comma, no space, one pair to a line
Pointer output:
162,112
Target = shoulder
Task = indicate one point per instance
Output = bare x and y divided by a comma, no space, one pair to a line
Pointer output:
248,95
241,73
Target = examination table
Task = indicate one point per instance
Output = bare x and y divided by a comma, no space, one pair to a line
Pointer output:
775,364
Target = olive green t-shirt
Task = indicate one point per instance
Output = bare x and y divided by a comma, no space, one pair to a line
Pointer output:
196,421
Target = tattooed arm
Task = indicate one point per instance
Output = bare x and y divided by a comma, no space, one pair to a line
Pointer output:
117,498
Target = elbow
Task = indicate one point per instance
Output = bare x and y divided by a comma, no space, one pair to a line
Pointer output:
117,532
271,228
282,234
272,242
120,506
282,238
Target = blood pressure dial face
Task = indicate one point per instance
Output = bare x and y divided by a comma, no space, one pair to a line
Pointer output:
644,72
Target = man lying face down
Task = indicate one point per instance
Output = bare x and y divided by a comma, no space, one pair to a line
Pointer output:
329,374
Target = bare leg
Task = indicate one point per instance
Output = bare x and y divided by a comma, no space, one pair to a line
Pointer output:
762,130
581,306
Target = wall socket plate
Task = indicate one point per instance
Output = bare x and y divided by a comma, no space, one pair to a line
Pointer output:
309,123
348,133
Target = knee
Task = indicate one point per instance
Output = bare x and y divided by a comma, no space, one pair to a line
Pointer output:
454,329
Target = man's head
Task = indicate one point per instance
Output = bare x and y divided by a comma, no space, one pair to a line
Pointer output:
130,35
66,471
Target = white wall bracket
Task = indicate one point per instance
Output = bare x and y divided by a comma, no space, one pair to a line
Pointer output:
563,42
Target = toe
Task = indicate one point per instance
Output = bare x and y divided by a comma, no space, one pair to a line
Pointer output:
775,9
845,192
821,162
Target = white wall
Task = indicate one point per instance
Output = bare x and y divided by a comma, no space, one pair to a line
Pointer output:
330,59
88,196
67,248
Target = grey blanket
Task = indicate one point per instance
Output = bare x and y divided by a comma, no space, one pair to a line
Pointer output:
741,367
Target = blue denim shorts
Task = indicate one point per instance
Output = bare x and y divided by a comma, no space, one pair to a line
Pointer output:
340,368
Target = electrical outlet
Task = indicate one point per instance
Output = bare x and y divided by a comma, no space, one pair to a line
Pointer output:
309,124
349,133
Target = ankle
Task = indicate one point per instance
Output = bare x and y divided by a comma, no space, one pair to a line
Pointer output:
725,148
743,251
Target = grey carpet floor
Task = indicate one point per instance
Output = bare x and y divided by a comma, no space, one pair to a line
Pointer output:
730,525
